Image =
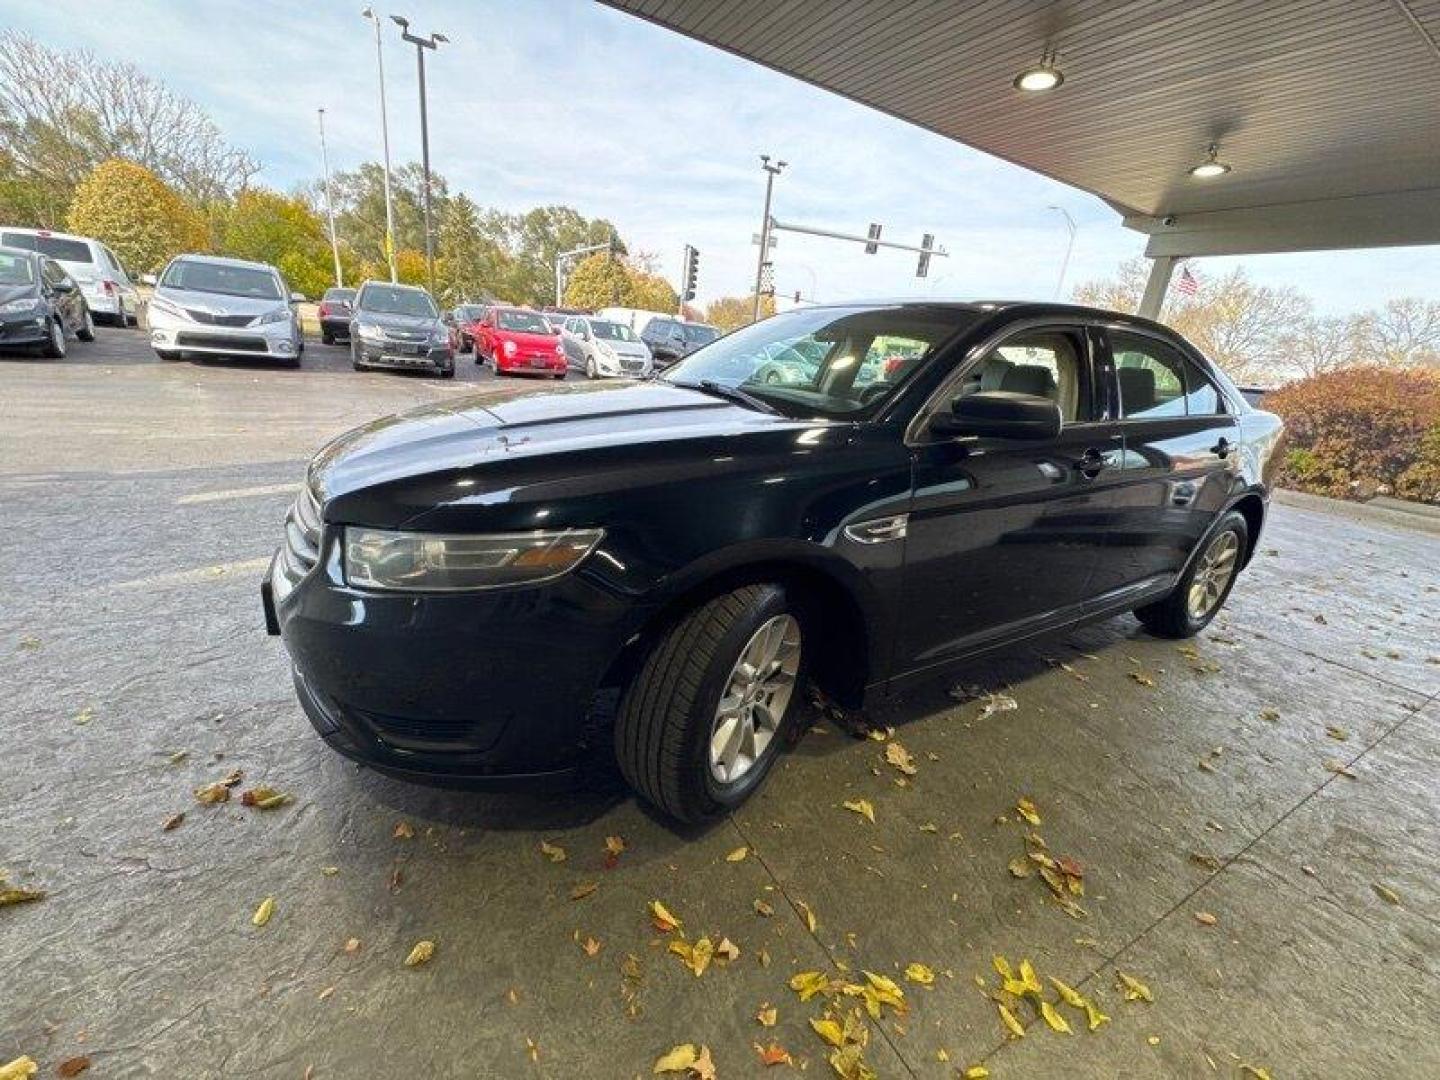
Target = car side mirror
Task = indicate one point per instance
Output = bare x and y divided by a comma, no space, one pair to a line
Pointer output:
1000,414
297,298
148,279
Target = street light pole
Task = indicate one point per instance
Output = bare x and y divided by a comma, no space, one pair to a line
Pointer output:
431,42
385,136
330,206
771,171
1069,247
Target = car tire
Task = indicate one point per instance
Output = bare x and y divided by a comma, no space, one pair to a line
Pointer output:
447,373
1205,586
167,355
590,372
355,357
670,713
327,339
54,349
87,327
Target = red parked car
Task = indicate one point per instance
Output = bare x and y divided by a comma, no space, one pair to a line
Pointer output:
514,340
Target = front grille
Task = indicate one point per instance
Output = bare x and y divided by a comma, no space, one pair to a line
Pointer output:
302,533
432,733
211,319
220,341
406,335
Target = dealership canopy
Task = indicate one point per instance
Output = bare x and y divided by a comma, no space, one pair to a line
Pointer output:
1318,121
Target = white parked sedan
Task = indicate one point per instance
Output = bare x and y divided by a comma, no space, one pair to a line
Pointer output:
109,293
224,307
605,349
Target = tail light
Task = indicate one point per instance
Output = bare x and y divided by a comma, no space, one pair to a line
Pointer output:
324,311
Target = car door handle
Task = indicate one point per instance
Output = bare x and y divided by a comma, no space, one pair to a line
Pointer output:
1090,463
1221,449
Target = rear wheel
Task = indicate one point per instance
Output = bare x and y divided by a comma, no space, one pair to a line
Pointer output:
590,372
355,356
1204,587
327,338
701,724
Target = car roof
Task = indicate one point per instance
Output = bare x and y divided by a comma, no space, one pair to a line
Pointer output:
21,251
395,285
1015,309
221,260
49,233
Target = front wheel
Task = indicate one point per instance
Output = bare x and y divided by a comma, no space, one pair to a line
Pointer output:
701,724
1205,585
590,372
55,347
87,327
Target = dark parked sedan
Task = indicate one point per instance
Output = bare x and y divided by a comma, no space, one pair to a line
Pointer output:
462,585
335,314
40,304
398,326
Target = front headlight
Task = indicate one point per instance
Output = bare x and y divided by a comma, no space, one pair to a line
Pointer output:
371,332
510,348
278,315
440,337
165,307
19,307
423,562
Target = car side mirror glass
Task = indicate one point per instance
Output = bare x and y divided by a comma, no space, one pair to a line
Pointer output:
148,279
1000,414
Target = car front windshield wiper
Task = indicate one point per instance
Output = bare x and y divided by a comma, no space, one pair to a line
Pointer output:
733,393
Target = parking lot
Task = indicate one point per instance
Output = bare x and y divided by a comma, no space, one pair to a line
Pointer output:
1253,815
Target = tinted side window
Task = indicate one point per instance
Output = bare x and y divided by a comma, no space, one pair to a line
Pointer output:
1151,376
1201,397
52,272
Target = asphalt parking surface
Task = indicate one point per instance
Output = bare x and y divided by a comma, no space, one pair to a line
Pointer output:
1284,915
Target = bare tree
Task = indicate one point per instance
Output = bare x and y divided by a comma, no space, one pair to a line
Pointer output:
1318,345
1403,333
62,113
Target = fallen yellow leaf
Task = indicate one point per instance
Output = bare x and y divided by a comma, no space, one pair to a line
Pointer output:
1002,967
738,855
590,947
553,852
863,808
1256,1071
768,1015
898,756
774,1054
20,1069
420,954
1068,994
1093,1016
1205,918
264,798
404,830
14,894
1389,895
849,1063
1027,809
213,793
662,918
1134,989
1054,1019
727,950
810,921
1016,1029
584,889
919,973
829,1029
680,1059
809,983
695,957
976,1072
264,911
1029,979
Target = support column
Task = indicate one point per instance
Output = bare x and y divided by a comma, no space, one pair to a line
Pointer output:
1156,286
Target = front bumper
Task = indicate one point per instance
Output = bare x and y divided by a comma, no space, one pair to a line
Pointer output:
17,330
545,364
275,341
479,689
404,355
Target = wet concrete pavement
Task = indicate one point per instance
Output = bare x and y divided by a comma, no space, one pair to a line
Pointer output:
140,501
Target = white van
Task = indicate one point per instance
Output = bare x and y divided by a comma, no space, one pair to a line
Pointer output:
106,286
635,318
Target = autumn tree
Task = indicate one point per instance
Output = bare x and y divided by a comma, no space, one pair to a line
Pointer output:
1405,332
141,217
63,113
471,264
283,230
601,281
359,200
732,312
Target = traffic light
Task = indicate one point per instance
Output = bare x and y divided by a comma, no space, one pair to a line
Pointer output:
927,244
871,249
689,273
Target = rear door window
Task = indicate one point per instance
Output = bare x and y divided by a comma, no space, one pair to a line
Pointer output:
1151,377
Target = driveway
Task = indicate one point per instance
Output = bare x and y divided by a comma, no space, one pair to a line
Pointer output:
1254,817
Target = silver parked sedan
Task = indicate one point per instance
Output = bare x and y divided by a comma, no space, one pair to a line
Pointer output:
602,348
224,307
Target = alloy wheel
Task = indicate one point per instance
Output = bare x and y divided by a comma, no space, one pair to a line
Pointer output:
57,337
755,698
1212,574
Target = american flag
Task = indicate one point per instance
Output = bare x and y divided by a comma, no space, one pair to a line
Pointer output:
1187,285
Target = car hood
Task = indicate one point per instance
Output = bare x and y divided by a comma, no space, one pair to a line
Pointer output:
526,340
483,449
418,323
217,303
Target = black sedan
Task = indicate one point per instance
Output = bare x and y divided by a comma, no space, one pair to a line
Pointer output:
462,585
398,326
40,304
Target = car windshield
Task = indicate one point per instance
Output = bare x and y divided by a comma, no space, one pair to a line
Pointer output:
395,300
71,251
524,322
339,296
16,270
696,334
611,331
208,277
838,362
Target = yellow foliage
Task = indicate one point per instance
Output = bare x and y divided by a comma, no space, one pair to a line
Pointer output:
143,220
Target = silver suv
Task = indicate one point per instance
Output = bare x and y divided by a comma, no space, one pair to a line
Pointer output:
224,307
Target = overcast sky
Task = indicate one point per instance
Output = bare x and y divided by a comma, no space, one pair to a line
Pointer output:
565,101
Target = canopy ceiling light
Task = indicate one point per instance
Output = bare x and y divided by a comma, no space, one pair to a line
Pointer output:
1040,77
1211,167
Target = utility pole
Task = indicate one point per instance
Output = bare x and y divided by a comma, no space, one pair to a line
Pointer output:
1069,247
771,171
329,206
385,136
431,42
